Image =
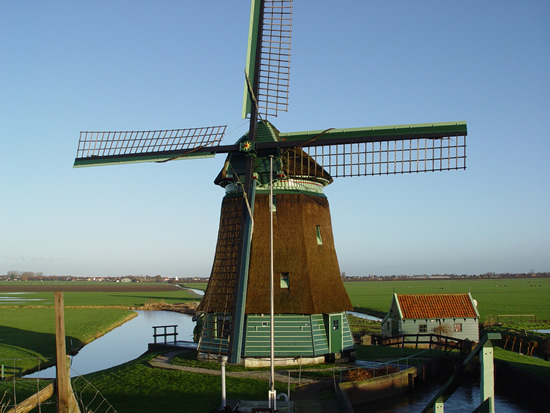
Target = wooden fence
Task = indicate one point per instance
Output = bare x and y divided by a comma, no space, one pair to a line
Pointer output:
516,318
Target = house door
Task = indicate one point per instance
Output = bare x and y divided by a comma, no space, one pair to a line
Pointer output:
335,333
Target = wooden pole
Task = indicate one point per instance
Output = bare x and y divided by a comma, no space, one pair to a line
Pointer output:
62,375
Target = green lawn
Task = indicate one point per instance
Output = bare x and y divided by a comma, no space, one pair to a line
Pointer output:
494,296
136,387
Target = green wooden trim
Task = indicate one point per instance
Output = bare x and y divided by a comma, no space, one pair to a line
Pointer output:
134,158
238,328
442,128
251,53
398,305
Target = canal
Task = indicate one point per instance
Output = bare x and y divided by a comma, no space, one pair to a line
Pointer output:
124,343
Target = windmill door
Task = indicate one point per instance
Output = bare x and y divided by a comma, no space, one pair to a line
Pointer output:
335,333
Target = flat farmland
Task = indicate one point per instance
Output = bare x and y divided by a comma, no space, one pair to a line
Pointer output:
494,296
91,294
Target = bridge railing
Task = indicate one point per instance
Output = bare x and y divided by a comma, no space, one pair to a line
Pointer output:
434,341
165,332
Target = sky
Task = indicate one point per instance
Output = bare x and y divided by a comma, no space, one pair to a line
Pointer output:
71,66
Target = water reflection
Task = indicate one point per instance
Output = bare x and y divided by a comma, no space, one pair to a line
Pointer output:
465,399
363,315
125,343
13,298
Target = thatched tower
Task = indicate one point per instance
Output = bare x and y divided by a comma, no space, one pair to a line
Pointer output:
309,295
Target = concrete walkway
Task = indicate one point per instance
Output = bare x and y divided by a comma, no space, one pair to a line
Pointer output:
164,362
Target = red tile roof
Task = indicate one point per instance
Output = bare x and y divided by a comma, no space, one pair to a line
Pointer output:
436,306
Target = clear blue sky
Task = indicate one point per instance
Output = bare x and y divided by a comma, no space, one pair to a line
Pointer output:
68,66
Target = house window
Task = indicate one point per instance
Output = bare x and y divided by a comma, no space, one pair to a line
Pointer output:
285,280
458,327
422,328
335,324
318,231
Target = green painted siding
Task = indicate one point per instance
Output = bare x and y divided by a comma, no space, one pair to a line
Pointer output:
347,336
293,336
319,335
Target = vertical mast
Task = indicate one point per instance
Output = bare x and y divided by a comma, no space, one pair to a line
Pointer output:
237,322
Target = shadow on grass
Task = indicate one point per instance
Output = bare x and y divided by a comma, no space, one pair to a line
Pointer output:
19,343
137,387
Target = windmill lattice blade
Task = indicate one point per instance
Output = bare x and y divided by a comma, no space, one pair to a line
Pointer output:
391,157
275,58
106,144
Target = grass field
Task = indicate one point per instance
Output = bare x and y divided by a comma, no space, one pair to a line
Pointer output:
494,296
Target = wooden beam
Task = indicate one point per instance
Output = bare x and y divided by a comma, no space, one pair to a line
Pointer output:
34,401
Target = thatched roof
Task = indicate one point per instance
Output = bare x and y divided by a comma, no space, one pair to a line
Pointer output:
315,284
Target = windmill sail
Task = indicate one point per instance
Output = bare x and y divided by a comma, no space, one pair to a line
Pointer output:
268,65
108,148
385,150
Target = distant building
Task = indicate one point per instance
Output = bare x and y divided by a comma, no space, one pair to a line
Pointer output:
453,315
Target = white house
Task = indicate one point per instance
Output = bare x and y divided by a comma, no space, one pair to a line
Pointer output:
453,315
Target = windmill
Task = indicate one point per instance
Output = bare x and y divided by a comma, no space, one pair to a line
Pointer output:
268,173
